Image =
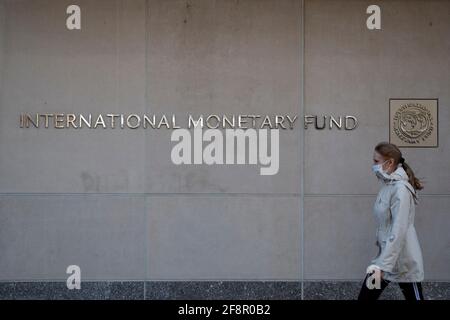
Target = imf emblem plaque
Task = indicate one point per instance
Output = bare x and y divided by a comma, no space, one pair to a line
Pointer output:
413,122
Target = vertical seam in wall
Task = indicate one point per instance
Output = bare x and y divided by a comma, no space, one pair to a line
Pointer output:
2,45
116,60
146,252
302,143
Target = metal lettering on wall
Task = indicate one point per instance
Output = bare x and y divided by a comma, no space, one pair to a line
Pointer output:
213,121
413,122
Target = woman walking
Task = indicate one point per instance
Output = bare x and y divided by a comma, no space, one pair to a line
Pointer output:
400,257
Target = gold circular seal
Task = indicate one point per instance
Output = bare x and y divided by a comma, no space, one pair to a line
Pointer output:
413,123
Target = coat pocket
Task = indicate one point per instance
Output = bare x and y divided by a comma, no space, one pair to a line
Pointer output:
379,251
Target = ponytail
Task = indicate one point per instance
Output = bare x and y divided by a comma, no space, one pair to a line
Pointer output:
416,183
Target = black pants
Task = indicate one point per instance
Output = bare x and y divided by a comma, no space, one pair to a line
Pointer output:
411,290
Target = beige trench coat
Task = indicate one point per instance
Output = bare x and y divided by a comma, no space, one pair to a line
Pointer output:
400,255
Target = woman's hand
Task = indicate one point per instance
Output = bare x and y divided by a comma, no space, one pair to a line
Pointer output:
373,268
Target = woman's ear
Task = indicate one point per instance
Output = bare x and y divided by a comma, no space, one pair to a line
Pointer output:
388,165
392,164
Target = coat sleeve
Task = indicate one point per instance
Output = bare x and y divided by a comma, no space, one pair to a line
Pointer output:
400,211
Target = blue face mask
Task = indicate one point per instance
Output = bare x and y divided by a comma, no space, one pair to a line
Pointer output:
378,170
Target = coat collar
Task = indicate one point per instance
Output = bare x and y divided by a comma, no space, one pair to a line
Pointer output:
400,175
397,175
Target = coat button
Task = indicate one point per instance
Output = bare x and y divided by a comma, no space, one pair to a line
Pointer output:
391,238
